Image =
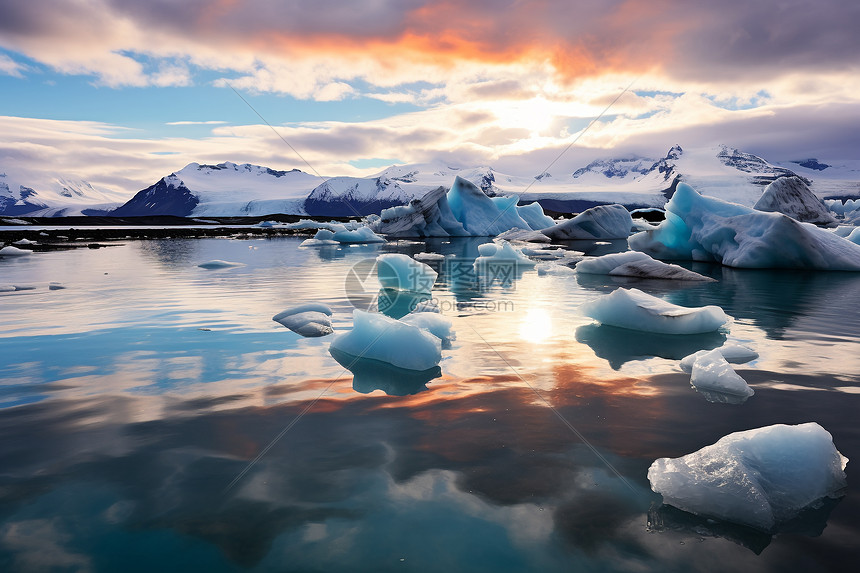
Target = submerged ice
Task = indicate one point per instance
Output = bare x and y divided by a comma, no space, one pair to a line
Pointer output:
636,310
760,478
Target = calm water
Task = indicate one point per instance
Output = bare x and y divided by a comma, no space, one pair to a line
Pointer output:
154,417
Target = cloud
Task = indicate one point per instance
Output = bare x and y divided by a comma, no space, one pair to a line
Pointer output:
308,45
213,122
10,67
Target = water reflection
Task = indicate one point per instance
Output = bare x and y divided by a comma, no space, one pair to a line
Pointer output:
620,345
809,523
123,422
722,397
398,303
370,375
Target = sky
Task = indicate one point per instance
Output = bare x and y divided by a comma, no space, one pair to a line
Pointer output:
122,92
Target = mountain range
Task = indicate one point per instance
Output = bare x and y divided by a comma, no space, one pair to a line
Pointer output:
229,189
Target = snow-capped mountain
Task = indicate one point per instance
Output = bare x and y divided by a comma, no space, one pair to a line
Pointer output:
722,172
226,189
51,195
831,179
396,185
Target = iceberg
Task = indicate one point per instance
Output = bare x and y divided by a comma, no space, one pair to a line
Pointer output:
429,216
377,337
707,229
480,215
760,478
791,196
533,215
462,211
713,374
843,230
10,251
436,324
734,353
309,320
598,223
526,235
854,236
636,264
219,264
344,234
402,272
428,257
337,234
635,310
846,209
501,252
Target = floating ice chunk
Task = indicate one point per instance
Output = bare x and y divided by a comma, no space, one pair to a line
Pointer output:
527,235
480,215
436,324
501,252
601,222
378,337
734,353
323,237
761,477
219,264
13,252
56,286
428,257
792,196
533,215
402,272
312,319
345,234
24,242
706,229
636,264
635,310
712,373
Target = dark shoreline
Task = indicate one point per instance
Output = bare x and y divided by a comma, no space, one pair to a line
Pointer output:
75,232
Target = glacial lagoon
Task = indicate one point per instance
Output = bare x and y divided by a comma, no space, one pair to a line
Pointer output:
154,417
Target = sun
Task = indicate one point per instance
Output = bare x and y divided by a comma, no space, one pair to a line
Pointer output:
536,114
536,326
